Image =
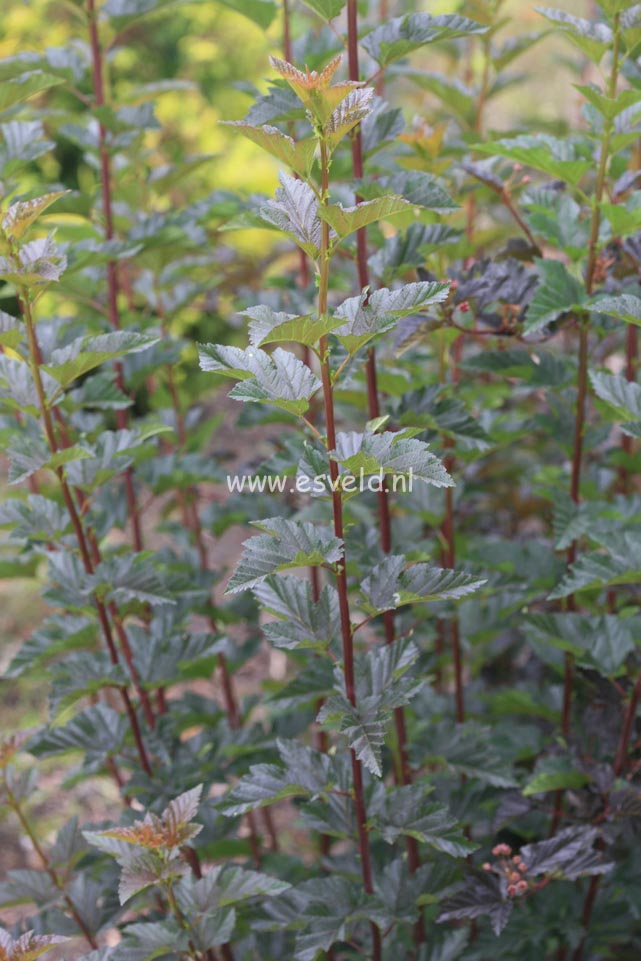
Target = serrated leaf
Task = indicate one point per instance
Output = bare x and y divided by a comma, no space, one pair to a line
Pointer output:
21,215
268,326
555,774
261,12
314,89
327,9
280,379
390,453
391,584
556,158
346,220
285,545
85,353
375,312
26,85
98,730
348,114
383,683
302,621
11,330
132,577
295,211
302,773
418,188
558,293
39,262
602,641
609,107
619,392
297,155
480,894
621,565
406,811
570,853
592,38
468,749
626,307
400,36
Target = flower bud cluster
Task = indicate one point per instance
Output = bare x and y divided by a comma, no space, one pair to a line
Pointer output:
511,867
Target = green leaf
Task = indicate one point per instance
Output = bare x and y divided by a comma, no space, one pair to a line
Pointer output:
364,729
39,262
302,621
556,158
295,211
622,565
11,330
145,869
24,86
280,379
458,97
374,313
85,353
392,584
626,307
149,940
132,577
261,12
609,107
569,854
30,946
418,188
327,9
383,682
468,749
297,155
593,39
268,326
285,545
601,641
405,811
480,894
98,731
348,114
225,885
21,215
398,37
558,293
620,393
554,774
302,773
390,453
346,220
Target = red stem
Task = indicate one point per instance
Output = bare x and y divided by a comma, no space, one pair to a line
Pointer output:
122,416
341,571
76,523
403,772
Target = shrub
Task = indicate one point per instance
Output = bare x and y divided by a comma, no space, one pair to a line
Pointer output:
442,351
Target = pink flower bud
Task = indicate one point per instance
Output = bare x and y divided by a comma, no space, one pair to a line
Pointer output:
511,890
518,167
516,858
526,179
487,866
521,887
464,307
522,866
501,849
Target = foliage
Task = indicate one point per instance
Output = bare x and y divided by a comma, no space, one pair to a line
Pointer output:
441,358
